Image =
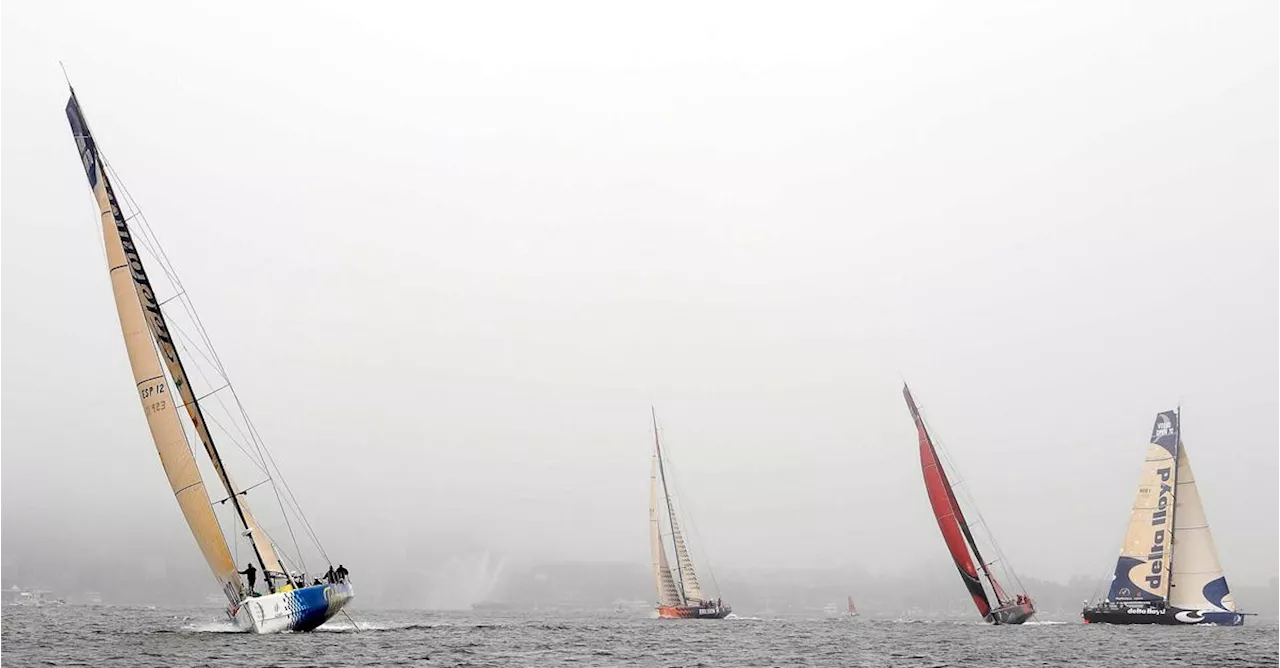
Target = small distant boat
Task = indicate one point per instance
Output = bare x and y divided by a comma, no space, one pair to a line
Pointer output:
852,611
1168,571
1008,609
164,387
679,594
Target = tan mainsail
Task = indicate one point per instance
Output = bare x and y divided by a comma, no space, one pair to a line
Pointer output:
158,402
667,592
1197,580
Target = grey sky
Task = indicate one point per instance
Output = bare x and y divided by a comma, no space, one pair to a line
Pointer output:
450,254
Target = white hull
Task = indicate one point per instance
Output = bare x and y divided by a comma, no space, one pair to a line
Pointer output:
298,610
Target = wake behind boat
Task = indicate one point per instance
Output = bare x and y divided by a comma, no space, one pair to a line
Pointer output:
679,594
955,529
1168,571
289,603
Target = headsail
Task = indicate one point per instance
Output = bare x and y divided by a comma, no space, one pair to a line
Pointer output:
688,578
667,592
955,532
132,290
1197,581
1143,567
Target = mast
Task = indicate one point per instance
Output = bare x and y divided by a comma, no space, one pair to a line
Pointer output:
157,325
671,511
1173,505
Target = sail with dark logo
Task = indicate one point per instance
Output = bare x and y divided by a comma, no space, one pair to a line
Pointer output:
1158,580
959,538
168,394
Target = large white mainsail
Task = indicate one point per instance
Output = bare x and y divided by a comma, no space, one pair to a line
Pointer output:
667,592
131,290
1142,570
1197,582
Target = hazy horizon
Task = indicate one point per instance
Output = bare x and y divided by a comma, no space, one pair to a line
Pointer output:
451,255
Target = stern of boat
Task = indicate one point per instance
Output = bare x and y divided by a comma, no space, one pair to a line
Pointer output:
294,610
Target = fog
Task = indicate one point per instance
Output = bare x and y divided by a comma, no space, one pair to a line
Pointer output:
451,254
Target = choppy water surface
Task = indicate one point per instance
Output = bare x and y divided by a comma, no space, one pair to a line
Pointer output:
119,636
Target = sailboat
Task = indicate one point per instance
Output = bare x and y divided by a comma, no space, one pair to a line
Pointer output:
955,529
1168,571
159,374
679,594
852,611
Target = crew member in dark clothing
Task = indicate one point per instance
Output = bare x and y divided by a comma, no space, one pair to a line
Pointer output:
342,573
251,574
330,577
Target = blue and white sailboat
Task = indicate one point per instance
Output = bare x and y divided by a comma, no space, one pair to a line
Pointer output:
165,388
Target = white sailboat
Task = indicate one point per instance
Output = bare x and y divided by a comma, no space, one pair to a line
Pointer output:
164,388
1168,571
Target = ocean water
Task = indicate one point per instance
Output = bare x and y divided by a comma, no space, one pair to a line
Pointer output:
135,637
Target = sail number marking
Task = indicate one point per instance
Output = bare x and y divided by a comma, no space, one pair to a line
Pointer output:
151,399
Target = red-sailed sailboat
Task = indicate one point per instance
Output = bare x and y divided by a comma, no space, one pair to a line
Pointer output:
955,531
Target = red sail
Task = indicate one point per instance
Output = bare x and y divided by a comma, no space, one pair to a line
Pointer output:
950,520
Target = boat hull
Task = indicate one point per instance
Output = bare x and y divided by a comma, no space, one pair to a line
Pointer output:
693,612
297,610
1167,616
1012,614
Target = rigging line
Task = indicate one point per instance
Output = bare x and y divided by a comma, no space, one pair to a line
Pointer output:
285,483
149,238
974,511
211,419
171,273
245,491
973,506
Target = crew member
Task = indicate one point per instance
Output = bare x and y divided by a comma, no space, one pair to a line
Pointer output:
251,574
